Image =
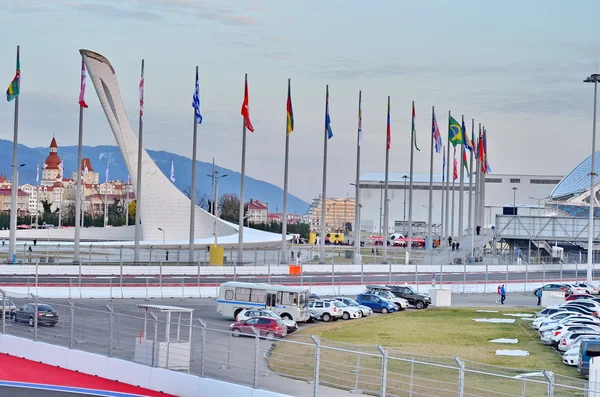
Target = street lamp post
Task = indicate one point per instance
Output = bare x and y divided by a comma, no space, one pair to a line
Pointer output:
515,200
163,233
592,79
405,177
12,243
216,202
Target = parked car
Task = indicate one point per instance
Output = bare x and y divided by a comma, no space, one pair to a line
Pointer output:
325,309
552,287
348,312
376,303
557,334
9,309
46,315
574,339
245,314
269,328
587,350
312,296
571,357
385,293
548,311
582,288
420,301
573,297
366,311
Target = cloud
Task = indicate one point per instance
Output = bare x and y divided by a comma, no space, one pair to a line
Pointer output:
115,12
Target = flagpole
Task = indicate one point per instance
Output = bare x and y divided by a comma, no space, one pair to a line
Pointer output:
324,189
430,212
442,223
453,193
483,173
37,196
60,195
78,206
385,193
138,193
127,202
285,186
213,201
410,184
106,195
240,253
470,216
12,257
447,214
476,211
461,185
193,189
357,232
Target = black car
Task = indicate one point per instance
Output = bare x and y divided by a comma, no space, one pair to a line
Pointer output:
45,315
417,300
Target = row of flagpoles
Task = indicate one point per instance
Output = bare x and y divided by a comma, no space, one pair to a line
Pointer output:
457,136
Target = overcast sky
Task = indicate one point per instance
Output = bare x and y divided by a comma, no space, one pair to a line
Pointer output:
516,66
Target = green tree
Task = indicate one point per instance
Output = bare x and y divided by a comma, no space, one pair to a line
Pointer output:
229,207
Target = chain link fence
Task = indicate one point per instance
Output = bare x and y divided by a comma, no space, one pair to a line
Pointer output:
174,338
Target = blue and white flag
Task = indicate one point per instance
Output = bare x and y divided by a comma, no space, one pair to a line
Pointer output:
196,101
106,180
172,172
37,174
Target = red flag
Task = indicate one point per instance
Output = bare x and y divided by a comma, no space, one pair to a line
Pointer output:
455,166
246,109
82,89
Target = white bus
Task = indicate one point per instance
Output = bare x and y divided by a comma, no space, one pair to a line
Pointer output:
289,302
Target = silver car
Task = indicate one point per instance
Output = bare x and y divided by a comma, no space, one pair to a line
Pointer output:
366,311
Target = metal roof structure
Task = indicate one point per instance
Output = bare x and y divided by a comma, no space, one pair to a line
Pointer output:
578,180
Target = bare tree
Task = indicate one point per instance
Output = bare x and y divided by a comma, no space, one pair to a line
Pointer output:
202,199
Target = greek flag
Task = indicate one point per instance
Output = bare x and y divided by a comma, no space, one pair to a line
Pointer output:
196,101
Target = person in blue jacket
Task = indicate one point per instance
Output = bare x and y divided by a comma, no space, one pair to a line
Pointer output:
502,294
538,293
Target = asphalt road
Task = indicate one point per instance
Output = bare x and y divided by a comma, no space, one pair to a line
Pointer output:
307,279
27,392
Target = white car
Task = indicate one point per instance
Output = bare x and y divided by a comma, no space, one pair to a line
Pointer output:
553,318
574,339
582,288
366,311
571,357
569,320
249,313
548,311
572,328
348,312
325,309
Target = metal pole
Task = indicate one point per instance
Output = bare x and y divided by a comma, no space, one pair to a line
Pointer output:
590,247
35,319
447,213
461,186
193,188
453,195
384,358
242,199
461,376
288,129
357,230
470,217
410,187
78,205
385,193
442,223
430,209
72,324
4,311
324,189
138,192
317,364
110,330
256,355
106,196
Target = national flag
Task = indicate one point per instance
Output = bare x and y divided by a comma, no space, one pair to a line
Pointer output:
172,172
455,166
454,132
196,103
82,86
14,88
327,118
246,109
141,95
414,130
444,164
465,162
106,177
480,152
485,151
437,136
289,126
389,128
37,173
466,141
474,142
360,121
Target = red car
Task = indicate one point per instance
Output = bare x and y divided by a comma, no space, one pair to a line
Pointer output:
579,296
267,327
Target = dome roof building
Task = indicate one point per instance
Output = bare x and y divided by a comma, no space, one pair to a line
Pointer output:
51,169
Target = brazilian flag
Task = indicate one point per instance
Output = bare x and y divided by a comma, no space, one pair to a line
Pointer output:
455,132
14,87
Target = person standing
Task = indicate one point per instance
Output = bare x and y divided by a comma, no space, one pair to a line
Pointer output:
538,293
502,294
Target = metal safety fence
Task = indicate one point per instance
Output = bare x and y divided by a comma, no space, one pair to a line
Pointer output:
175,338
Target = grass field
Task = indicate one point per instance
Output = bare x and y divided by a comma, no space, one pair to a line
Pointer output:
415,338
